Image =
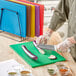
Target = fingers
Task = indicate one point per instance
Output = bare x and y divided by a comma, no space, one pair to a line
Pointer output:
64,46
62,49
38,40
41,40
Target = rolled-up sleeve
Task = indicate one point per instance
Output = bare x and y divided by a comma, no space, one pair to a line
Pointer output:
60,15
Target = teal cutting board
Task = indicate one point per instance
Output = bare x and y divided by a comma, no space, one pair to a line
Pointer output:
9,21
42,59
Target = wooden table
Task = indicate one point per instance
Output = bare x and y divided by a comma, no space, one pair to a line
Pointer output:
7,53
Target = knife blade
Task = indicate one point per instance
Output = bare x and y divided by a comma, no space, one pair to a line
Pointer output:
47,47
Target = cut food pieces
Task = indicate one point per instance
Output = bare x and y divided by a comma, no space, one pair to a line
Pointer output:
40,50
52,57
32,56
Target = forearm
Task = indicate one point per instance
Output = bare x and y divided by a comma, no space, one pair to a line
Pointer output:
56,22
60,15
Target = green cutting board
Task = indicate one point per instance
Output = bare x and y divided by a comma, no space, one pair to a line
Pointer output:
42,58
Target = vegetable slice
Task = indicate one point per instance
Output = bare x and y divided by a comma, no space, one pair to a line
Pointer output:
32,56
52,57
40,50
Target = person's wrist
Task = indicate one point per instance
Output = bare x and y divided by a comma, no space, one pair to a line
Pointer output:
48,33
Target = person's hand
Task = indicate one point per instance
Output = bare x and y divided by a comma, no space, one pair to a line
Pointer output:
65,45
44,38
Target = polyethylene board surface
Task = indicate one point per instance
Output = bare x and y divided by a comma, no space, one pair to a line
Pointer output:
28,17
41,14
28,33
9,21
42,58
32,16
37,18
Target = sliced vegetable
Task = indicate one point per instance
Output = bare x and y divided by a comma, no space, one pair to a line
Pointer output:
52,57
32,56
40,50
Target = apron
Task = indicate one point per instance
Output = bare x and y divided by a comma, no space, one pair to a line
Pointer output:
72,25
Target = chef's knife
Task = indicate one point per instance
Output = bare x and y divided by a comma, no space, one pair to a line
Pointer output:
47,47
50,47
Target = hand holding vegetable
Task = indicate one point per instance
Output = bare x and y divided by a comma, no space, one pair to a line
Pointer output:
44,38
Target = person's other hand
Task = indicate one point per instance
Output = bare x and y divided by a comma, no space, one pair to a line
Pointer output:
44,38
65,45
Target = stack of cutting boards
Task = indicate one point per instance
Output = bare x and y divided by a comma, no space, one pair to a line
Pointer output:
29,20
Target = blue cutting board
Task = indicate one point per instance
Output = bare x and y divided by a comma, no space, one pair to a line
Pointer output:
9,21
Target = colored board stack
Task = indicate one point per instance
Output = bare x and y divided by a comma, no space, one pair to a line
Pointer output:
22,18
12,19
38,17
